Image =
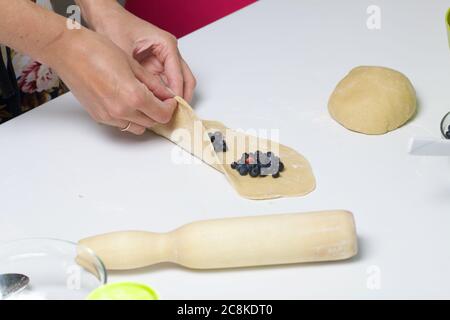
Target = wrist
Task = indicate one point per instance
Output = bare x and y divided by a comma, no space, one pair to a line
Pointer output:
66,49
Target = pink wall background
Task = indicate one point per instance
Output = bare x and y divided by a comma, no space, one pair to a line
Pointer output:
181,17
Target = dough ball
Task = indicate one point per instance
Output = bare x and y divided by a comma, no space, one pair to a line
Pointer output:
373,100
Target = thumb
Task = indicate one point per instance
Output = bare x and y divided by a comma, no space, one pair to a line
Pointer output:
171,103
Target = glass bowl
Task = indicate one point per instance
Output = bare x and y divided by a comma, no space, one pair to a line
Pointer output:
445,125
57,269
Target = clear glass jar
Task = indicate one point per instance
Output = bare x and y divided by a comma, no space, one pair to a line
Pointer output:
57,269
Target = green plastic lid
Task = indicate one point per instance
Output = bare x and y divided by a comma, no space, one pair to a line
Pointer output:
123,291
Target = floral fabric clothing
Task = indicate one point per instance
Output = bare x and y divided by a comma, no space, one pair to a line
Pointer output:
24,82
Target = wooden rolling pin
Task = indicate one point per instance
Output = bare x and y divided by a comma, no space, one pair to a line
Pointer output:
234,242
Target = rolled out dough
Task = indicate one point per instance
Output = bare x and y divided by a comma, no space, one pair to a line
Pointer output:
296,180
373,100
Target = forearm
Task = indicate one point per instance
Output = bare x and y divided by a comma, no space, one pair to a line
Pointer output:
98,12
30,29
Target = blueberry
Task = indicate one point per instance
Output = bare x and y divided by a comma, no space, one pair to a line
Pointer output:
266,171
266,165
234,165
254,172
243,170
274,165
263,159
276,175
218,141
218,146
447,134
243,158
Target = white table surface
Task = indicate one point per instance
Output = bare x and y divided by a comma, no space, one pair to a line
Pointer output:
271,65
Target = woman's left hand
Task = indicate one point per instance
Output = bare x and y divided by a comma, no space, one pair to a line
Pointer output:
155,49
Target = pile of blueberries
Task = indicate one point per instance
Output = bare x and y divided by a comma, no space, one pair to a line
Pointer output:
259,164
218,141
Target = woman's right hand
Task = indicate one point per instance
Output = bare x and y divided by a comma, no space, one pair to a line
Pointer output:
114,88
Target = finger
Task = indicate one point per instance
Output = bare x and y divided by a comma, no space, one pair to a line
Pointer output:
159,111
174,72
171,103
140,119
189,81
126,126
165,80
153,82
135,129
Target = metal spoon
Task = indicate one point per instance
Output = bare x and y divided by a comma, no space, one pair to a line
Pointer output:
12,283
422,146
445,125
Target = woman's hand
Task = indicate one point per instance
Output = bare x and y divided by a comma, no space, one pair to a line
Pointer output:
156,50
114,88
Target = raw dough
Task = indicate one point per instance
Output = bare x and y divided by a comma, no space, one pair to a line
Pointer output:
296,180
373,100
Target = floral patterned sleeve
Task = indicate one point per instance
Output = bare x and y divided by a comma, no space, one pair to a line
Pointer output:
24,82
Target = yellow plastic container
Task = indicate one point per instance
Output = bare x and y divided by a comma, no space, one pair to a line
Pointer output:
123,291
447,23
